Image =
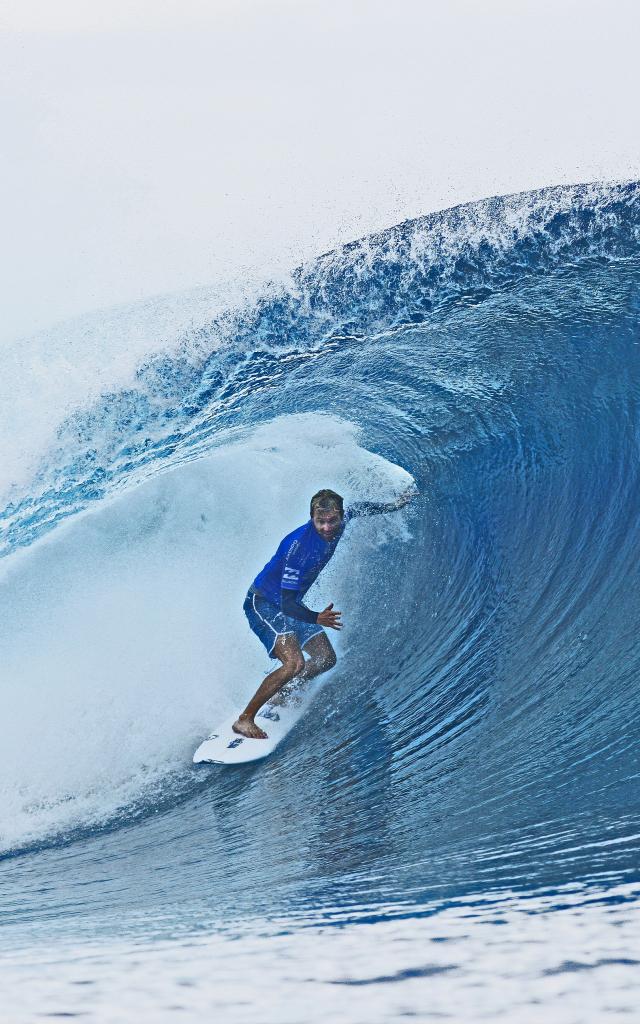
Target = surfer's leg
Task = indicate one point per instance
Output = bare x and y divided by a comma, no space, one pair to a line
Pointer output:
288,651
321,658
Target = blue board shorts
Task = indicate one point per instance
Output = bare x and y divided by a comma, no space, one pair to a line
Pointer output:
269,623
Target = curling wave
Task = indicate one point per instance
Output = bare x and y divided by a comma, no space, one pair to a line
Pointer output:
480,730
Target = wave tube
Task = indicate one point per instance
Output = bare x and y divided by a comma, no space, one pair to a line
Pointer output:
123,633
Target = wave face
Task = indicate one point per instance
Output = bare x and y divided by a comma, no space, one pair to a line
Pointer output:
480,731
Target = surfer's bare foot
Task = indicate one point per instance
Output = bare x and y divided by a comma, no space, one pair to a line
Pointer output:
247,727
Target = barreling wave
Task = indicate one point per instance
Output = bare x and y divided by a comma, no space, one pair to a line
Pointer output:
480,730
204,379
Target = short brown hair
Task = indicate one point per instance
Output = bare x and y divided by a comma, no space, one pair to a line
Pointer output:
327,501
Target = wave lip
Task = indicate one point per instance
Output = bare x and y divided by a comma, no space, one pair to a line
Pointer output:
182,370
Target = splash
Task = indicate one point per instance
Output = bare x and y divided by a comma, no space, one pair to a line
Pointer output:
122,633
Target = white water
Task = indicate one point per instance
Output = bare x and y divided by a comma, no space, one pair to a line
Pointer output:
123,635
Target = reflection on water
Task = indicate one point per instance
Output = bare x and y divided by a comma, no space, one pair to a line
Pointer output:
571,956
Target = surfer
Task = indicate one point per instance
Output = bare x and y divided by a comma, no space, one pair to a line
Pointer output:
274,604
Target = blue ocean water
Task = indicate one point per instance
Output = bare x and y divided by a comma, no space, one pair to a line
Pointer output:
480,732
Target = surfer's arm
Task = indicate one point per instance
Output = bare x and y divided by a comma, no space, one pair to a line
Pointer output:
296,609
376,508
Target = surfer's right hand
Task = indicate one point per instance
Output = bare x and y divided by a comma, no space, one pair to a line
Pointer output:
330,618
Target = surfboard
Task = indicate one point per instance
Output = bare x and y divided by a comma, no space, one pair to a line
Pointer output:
224,746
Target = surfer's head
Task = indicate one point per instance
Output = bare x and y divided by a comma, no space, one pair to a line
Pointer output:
327,510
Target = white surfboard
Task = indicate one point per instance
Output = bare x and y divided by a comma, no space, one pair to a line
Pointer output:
224,746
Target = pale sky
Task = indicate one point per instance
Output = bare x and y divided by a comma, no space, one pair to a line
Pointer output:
158,147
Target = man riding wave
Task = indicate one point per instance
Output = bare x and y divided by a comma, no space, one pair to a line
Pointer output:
274,604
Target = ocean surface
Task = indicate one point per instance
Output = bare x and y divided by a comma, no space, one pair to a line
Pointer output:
453,830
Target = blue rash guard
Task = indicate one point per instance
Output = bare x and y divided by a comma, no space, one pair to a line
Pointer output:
300,559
